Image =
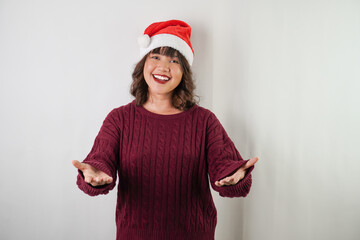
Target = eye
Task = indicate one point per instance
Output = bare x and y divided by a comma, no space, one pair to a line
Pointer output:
154,57
174,61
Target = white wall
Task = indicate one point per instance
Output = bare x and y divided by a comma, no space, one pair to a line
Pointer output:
282,76
292,76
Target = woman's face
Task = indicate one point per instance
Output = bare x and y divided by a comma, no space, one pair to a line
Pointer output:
162,74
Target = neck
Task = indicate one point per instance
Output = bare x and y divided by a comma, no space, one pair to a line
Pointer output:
159,102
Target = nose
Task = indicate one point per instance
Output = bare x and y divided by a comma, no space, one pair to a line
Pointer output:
164,65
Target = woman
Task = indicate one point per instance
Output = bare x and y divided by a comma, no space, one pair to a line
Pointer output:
162,146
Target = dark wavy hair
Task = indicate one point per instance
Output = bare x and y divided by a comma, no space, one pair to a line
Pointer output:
183,96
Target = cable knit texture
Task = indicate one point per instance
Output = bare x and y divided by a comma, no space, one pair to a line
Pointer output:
162,163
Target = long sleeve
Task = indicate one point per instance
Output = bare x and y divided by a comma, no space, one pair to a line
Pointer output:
104,154
224,159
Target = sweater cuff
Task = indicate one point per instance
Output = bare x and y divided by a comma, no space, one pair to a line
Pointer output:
88,188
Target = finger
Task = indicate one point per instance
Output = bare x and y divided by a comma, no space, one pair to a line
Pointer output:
96,181
226,181
230,181
79,165
109,180
88,179
222,182
101,180
251,162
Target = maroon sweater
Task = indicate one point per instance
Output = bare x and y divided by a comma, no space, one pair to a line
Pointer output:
163,162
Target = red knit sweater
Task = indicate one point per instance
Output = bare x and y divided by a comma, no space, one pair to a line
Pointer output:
163,162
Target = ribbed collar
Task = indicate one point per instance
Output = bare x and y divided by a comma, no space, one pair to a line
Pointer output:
162,116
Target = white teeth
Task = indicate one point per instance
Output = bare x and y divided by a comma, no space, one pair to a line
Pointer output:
161,78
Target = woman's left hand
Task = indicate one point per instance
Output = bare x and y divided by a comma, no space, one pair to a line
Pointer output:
238,175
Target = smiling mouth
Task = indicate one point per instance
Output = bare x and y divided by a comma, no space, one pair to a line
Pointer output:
161,77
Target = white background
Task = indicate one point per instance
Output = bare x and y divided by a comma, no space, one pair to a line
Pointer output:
281,75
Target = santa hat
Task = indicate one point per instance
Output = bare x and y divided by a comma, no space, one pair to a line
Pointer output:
172,33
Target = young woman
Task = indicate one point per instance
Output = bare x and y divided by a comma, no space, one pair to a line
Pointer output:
163,146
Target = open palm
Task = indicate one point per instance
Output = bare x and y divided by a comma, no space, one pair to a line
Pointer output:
238,175
92,175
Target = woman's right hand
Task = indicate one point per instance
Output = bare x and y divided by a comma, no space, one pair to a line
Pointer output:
92,175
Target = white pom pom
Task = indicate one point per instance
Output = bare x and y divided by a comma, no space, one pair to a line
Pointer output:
144,41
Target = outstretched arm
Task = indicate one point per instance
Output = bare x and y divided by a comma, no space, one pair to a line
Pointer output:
97,173
225,162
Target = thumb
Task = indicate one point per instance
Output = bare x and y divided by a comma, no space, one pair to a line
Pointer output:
79,165
251,162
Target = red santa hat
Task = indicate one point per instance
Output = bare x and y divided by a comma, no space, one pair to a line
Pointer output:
172,33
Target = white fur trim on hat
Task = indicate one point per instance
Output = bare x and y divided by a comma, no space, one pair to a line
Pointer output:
168,40
144,40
